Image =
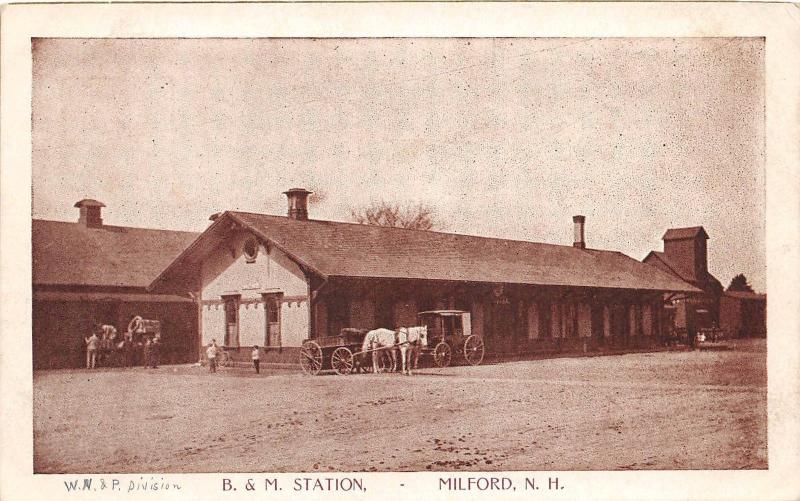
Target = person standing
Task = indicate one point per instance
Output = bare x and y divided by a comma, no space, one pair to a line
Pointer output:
92,344
211,354
127,348
107,338
256,356
155,347
148,352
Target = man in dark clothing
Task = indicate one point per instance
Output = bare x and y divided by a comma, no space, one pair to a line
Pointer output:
148,351
155,347
128,349
256,356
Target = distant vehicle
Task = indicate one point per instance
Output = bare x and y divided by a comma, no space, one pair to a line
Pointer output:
449,333
709,335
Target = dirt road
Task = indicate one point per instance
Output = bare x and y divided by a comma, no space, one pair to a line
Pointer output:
675,410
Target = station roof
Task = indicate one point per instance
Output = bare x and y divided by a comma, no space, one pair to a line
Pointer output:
676,270
335,249
67,253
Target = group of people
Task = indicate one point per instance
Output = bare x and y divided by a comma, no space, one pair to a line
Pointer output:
213,351
101,344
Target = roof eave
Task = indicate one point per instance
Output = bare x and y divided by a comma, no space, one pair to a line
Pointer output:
685,289
164,276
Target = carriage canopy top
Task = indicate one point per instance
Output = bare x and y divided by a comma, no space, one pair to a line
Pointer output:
444,313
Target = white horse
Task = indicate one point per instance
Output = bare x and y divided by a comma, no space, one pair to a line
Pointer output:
377,340
408,339
411,340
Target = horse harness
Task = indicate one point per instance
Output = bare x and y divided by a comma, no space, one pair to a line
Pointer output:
397,338
397,343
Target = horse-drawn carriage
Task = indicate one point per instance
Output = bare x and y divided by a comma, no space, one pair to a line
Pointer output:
125,350
341,354
444,332
707,334
449,332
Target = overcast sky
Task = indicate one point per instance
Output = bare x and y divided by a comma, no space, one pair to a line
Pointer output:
503,137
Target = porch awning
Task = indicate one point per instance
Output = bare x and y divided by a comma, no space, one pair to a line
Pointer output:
108,297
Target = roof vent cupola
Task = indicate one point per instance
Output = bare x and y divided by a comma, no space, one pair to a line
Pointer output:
298,203
90,213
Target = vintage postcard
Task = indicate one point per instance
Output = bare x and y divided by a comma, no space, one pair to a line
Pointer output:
390,250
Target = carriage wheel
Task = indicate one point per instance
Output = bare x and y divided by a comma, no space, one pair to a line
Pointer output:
474,350
385,362
311,358
342,361
442,354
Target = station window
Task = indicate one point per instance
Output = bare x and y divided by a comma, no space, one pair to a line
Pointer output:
544,312
272,318
231,320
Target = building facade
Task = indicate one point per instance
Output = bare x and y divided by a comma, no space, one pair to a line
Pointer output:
275,281
685,256
743,314
88,273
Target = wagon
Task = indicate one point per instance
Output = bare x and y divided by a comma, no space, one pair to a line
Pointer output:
116,351
142,328
341,354
449,334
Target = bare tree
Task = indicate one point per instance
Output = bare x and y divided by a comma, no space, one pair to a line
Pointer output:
318,195
413,216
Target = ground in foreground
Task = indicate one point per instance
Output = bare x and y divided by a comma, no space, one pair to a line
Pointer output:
670,410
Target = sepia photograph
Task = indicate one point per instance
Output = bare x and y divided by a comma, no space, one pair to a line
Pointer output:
396,250
398,254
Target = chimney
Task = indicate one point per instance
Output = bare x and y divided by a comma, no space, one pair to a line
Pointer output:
298,203
579,242
90,213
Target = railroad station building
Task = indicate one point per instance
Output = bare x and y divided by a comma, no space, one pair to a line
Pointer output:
685,256
275,281
87,273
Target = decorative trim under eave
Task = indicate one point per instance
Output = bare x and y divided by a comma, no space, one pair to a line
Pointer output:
255,302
